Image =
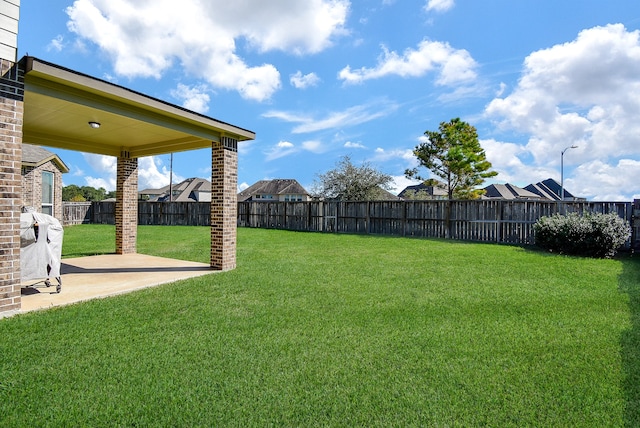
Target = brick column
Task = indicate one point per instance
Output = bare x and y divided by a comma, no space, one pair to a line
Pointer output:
11,116
126,204
224,203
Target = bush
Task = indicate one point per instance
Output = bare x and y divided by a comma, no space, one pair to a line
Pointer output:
593,235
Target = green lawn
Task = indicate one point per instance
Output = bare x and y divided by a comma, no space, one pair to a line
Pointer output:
335,330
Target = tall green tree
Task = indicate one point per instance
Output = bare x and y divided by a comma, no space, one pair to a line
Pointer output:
72,193
349,182
75,193
454,154
93,194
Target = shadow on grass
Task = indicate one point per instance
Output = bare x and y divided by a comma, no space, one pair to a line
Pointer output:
629,283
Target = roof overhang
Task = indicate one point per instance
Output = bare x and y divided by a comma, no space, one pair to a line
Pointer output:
59,104
54,158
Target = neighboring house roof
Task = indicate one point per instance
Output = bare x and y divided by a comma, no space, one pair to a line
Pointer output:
189,190
508,191
35,156
549,189
278,186
385,195
155,192
437,190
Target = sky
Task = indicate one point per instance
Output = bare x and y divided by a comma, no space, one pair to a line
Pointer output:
317,80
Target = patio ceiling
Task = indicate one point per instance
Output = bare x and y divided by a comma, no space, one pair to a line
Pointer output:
59,104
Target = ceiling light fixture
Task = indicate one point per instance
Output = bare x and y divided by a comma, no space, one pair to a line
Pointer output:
94,125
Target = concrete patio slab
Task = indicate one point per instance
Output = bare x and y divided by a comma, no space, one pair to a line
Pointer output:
86,278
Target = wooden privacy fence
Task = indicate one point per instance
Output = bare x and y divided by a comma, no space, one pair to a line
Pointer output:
76,213
484,220
149,213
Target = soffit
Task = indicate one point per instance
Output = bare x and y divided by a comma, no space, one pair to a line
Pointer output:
59,103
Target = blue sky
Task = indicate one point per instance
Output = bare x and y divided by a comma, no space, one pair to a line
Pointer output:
320,79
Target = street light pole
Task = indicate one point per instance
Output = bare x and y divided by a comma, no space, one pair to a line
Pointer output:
562,170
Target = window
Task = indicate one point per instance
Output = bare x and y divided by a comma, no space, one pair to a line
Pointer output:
47,193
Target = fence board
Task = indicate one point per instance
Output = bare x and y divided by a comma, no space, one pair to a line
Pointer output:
76,213
498,221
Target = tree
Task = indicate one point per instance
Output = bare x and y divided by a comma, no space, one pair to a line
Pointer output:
347,182
93,194
72,193
85,193
454,154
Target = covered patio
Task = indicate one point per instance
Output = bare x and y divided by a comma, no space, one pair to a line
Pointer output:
61,108
92,277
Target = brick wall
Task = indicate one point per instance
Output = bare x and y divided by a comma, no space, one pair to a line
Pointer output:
11,114
32,187
126,205
224,203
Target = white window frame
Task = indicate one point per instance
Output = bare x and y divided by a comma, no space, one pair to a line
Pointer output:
47,206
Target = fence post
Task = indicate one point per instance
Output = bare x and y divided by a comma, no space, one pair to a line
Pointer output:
635,225
404,218
447,231
499,220
368,218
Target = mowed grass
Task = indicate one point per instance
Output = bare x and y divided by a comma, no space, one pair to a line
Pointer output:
335,330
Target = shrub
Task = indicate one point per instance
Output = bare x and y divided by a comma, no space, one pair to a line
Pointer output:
593,235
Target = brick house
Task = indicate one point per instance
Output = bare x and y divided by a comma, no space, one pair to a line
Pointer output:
190,190
46,104
42,180
280,189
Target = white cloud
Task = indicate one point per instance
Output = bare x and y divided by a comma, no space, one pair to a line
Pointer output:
601,181
285,144
242,186
101,163
76,171
97,183
143,40
287,116
301,27
300,81
105,167
352,145
340,119
56,44
282,149
385,155
286,148
583,92
454,66
400,182
313,146
194,98
153,174
579,92
246,147
439,5
508,160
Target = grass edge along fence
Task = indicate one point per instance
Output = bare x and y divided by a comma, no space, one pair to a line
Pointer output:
496,221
